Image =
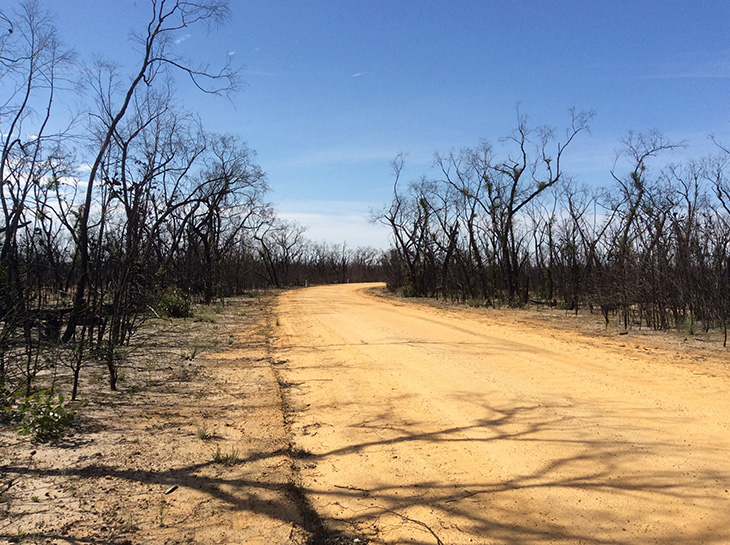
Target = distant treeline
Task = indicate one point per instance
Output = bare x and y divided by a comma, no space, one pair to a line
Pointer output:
652,249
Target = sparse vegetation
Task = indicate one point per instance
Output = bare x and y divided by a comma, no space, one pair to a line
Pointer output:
175,305
164,435
189,355
137,214
507,227
45,416
229,458
162,512
202,432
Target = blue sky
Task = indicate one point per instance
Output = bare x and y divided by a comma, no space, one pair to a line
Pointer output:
335,89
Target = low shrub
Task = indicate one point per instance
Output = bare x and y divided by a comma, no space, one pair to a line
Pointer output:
174,305
45,417
227,459
409,291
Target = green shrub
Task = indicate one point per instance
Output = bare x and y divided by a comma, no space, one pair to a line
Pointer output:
175,305
409,291
45,417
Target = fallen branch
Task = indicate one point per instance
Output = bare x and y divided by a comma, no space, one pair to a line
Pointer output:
155,313
9,485
355,488
408,519
467,495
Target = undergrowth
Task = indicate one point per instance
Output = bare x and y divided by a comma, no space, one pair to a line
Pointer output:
45,416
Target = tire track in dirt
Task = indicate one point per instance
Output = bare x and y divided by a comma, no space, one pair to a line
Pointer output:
422,425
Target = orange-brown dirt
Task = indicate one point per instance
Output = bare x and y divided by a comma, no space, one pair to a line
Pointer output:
390,421
429,425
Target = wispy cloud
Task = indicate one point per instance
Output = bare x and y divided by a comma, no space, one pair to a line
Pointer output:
326,207
336,222
358,74
182,38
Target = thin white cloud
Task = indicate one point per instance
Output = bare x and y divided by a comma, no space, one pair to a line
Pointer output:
336,222
182,38
358,74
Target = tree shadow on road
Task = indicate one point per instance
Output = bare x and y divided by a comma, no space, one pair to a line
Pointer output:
567,483
601,474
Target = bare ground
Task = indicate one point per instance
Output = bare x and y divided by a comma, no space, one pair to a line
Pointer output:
192,449
371,419
437,425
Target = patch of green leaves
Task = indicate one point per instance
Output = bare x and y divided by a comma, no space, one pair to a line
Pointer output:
45,416
176,305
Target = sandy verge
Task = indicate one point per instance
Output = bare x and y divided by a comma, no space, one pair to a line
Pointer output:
141,466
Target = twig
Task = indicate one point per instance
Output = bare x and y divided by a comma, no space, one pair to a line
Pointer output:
467,495
408,519
355,488
9,486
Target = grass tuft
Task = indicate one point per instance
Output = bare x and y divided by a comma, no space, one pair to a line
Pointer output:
228,459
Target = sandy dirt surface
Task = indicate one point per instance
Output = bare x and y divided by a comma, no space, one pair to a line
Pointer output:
193,448
417,424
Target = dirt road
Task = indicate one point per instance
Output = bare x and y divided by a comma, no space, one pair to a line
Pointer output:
419,425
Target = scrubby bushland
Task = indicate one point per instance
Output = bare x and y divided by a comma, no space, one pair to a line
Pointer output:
129,210
652,249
